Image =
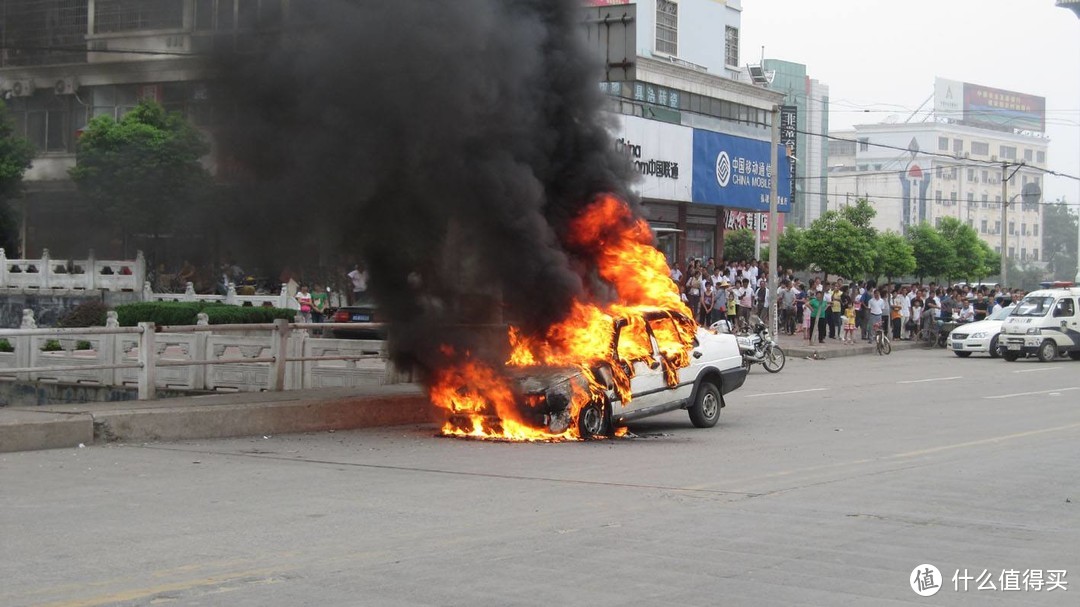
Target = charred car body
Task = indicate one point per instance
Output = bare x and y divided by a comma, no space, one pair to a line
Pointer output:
636,381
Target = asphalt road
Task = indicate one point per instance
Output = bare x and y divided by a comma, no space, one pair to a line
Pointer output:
824,485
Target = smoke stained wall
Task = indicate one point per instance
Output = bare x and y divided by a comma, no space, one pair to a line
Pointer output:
449,142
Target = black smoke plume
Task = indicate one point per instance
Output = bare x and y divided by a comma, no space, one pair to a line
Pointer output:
448,142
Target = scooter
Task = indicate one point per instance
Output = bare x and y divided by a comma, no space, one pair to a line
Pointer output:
757,346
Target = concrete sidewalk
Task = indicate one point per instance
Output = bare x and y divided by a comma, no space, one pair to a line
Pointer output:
797,347
213,416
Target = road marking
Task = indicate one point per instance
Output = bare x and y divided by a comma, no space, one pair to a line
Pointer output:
788,392
1031,393
135,594
920,381
985,441
1038,369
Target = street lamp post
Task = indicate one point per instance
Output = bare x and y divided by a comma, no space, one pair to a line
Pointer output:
1074,6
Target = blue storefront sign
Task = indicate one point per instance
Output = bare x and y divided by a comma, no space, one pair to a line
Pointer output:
734,172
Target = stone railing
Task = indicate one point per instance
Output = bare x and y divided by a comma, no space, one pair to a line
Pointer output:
233,358
281,300
72,274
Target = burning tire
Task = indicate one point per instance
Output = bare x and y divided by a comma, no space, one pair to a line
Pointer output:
705,411
594,421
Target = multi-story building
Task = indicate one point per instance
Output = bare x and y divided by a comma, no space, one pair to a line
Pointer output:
951,165
690,117
66,61
810,98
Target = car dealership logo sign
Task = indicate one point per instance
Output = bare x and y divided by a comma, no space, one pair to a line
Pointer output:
723,169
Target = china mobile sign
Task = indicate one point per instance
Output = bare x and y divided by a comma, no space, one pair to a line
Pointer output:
662,153
734,172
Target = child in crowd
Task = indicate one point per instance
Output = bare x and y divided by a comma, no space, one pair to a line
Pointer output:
849,325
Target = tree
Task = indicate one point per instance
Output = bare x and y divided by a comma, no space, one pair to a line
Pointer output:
836,246
860,215
787,249
968,261
933,254
1059,240
893,256
739,245
16,154
991,261
143,172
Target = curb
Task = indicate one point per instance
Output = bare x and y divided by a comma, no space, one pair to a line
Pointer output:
842,352
216,416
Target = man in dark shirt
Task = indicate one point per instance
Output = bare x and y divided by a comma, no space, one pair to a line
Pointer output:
981,305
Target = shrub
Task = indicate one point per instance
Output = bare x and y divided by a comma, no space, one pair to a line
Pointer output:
5,345
52,345
87,314
164,313
83,344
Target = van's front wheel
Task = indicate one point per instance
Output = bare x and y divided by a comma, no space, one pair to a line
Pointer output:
1047,350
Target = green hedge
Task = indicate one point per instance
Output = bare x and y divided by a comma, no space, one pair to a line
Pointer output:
165,313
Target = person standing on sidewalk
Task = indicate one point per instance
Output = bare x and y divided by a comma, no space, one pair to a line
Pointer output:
817,317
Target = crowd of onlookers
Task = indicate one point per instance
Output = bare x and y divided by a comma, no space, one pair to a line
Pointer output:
841,310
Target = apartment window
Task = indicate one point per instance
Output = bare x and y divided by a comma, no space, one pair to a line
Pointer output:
1040,157
982,226
952,199
985,176
971,199
1012,251
1023,229
971,174
667,27
958,146
1027,155
1023,253
48,121
937,171
980,148
731,46
136,15
1012,227
1034,229
1034,255
997,200
985,201
943,144
864,144
997,230
937,197
1008,151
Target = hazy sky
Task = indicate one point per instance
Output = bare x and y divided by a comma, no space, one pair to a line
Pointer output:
880,58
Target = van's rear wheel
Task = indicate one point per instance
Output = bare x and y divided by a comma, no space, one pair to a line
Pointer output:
1010,356
1047,350
1074,355
962,354
705,411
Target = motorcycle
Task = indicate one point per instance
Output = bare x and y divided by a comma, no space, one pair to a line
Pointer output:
757,345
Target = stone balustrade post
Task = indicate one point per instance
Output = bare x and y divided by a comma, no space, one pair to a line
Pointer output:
107,351
147,291
147,358
189,292
3,269
24,344
279,349
90,271
283,297
230,295
140,270
44,270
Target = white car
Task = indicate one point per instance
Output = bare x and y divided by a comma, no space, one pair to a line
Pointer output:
715,369
980,336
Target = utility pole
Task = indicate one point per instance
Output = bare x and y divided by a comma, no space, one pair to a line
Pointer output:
1004,223
1074,6
774,233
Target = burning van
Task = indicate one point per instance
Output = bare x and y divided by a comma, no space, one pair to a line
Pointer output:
626,349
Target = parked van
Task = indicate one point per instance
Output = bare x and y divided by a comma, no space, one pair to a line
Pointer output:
1046,324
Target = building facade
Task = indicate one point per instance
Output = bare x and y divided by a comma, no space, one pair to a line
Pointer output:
689,117
810,98
937,169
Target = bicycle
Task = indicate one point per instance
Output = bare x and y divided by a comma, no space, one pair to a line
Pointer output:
929,334
881,340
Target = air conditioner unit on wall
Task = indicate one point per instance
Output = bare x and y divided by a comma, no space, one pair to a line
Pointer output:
18,88
66,86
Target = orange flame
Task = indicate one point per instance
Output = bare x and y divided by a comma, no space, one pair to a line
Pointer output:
481,400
